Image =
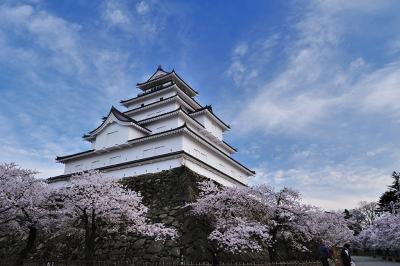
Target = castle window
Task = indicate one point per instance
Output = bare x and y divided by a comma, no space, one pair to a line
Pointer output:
114,159
148,152
159,149
160,128
112,132
204,156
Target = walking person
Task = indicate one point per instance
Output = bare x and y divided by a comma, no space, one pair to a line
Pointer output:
215,260
346,257
324,253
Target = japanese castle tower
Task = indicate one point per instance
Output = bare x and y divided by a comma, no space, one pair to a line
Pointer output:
164,127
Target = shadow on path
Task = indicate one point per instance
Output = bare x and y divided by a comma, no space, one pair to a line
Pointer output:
369,261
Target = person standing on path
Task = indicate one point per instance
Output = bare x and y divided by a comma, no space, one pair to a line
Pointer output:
324,254
215,260
345,254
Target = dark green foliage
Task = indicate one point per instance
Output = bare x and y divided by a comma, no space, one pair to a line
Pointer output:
392,195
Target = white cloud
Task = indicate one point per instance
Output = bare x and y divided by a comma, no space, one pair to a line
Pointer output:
329,187
315,85
379,91
18,14
142,7
240,49
236,70
62,66
248,61
143,25
326,94
393,47
116,15
376,151
357,64
73,72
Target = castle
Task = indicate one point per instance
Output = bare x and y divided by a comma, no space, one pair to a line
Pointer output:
164,127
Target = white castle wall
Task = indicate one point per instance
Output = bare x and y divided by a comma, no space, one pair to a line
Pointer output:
153,98
136,152
152,167
154,110
115,134
145,168
200,169
220,162
164,124
210,125
175,121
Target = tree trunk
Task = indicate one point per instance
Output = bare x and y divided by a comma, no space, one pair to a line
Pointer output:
29,245
272,253
90,234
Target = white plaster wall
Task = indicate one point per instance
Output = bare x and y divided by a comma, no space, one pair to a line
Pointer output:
198,168
164,124
153,167
137,151
145,168
115,134
174,121
214,159
152,98
154,110
210,125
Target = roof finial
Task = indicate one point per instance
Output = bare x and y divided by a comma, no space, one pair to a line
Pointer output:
160,67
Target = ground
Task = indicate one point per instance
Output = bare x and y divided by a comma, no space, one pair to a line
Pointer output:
369,261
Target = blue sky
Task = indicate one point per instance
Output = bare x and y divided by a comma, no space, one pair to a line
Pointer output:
310,88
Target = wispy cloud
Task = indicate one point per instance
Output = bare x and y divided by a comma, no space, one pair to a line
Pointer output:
323,94
142,21
66,80
316,81
248,61
333,187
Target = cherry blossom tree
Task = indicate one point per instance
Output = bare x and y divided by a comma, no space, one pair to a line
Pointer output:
383,234
250,219
234,216
22,204
362,216
93,203
331,227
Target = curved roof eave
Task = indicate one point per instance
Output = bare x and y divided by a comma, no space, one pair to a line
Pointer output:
120,117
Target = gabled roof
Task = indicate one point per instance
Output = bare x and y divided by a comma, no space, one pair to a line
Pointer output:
160,76
153,92
209,110
119,116
159,72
